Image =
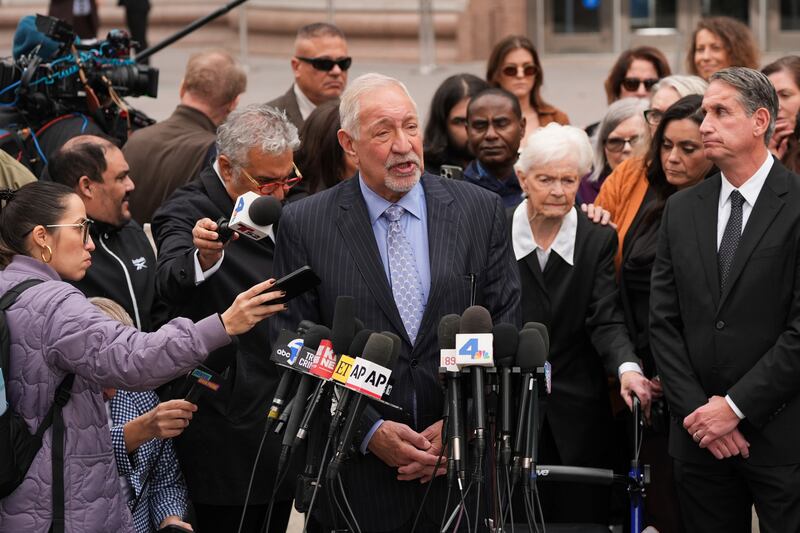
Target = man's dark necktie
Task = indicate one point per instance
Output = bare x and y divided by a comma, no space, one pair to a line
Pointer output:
730,239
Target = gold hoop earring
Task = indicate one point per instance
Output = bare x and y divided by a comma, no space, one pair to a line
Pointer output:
46,248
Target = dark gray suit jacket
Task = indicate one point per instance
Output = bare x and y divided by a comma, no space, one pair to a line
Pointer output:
288,103
331,232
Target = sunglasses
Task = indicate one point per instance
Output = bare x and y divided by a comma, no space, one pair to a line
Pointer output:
325,64
512,71
617,145
84,225
632,84
267,186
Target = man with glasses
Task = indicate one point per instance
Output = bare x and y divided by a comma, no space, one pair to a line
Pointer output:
495,127
198,274
123,263
320,65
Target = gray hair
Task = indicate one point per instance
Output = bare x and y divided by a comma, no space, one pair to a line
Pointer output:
350,106
617,113
683,85
255,126
755,91
555,142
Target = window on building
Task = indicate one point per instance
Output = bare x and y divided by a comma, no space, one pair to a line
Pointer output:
652,14
576,16
790,15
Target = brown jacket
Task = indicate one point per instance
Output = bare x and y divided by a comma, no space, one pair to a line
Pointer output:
165,156
288,104
622,194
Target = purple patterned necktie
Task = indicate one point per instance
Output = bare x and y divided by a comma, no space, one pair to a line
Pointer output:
403,274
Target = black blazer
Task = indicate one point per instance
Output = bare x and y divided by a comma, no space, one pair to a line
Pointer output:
331,232
745,341
579,304
287,102
218,448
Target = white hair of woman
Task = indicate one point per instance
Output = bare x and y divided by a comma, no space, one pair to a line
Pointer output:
554,143
683,85
617,113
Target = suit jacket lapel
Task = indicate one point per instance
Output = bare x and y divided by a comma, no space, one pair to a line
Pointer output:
764,212
705,225
354,225
216,191
442,239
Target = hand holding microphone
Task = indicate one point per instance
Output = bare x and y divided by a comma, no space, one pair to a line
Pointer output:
206,238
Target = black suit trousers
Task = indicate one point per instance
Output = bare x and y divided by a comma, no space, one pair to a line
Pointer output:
718,498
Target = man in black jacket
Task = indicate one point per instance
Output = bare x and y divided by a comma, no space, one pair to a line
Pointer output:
724,320
197,275
123,263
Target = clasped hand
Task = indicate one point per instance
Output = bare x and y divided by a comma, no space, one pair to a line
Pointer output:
714,426
414,454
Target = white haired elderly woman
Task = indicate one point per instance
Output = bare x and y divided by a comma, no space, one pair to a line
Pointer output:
622,134
566,266
668,91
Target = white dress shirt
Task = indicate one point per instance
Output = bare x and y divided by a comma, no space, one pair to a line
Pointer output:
750,190
305,105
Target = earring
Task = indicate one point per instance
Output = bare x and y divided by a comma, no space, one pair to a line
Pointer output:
46,248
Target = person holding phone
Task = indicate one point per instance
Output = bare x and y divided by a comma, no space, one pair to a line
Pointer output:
196,273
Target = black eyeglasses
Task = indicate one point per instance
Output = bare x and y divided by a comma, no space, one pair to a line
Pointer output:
83,224
325,64
632,84
653,116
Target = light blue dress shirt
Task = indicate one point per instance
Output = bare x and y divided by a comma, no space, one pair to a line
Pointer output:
415,225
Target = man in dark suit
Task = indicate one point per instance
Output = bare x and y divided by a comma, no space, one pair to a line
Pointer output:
724,320
197,275
169,154
364,238
320,66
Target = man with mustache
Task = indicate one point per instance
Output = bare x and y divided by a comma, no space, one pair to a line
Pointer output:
495,127
409,247
123,262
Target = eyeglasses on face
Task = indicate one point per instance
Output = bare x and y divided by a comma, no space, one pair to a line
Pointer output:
653,116
326,64
632,84
83,224
267,186
618,144
512,71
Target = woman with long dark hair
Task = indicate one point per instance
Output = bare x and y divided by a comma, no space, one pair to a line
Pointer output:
784,73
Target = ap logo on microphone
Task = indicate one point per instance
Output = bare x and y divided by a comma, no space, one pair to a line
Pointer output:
239,205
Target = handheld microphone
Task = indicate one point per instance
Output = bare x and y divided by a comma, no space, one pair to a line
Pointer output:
476,320
325,364
343,369
506,341
531,354
542,329
253,214
378,351
311,341
449,325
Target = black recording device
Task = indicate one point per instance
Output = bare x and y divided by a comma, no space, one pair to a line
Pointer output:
78,78
294,284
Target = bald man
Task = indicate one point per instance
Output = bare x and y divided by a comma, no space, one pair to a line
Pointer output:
169,154
123,263
320,66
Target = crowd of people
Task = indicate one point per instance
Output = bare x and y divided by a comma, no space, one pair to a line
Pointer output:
659,247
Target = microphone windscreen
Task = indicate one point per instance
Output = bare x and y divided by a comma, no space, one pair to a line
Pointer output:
542,329
476,319
448,328
265,210
397,343
359,325
379,349
505,340
531,352
359,341
344,323
314,335
304,326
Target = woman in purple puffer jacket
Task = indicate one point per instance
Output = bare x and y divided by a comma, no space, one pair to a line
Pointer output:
55,331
